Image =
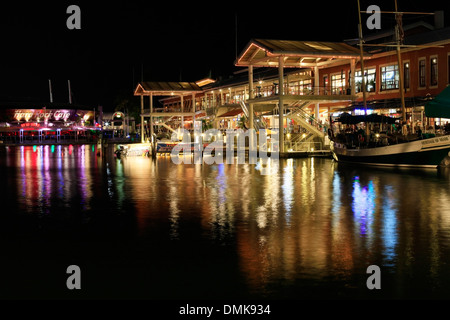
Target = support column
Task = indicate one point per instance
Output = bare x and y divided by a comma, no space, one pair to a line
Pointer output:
316,113
182,110
317,91
142,118
316,80
193,110
281,103
251,96
151,118
352,77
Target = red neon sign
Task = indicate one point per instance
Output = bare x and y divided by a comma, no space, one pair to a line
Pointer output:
30,124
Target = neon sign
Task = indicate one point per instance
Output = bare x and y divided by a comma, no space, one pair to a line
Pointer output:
30,124
61,115
41,115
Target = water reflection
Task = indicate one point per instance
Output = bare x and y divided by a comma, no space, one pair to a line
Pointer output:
363,207
50,176
309,230
389,232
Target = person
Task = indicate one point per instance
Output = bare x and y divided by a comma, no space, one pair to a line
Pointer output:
419,133
404,129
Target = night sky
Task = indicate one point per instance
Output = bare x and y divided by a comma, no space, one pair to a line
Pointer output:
121,41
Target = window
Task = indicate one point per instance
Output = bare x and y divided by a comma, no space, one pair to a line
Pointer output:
389,77
448,68
406,77
305,87
434,74
300,87
370,80
422,73
325,84
338,83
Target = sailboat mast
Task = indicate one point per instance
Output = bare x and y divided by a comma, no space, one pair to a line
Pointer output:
50,89
363,76
399,40
363,82
70,92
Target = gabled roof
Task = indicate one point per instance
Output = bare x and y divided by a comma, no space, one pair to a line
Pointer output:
166,88
265,53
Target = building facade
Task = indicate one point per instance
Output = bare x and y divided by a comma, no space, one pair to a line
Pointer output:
313,81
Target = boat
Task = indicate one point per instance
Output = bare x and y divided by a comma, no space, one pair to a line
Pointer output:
392,147
387,148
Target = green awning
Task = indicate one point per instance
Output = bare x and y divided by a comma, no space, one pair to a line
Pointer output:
440,106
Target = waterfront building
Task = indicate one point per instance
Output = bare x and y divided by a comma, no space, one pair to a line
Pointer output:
313,81
47,123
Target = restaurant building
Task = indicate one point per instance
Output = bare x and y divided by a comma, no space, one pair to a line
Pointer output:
313,81
47,123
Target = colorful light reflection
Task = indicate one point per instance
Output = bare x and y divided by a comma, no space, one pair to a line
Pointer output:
363,205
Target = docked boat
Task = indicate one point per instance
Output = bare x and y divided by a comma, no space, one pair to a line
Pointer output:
388,149
391,148
375,139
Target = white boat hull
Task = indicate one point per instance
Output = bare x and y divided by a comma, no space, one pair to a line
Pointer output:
420,153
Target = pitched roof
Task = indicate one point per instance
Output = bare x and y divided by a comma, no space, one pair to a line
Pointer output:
264,52
166,88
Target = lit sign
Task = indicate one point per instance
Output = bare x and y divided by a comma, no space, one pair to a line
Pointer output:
61,115
118,115
30,124
41,115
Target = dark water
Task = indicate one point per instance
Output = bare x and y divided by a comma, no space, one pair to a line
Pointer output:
140,228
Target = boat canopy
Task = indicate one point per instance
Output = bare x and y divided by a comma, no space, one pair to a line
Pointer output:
347,118
440,106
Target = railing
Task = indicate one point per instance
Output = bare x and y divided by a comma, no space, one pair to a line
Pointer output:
300,137
258,122
309,146
308,120
300,90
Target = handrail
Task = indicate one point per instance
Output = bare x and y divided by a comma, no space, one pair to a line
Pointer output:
258,123
309,119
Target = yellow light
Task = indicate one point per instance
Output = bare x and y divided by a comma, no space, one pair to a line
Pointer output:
288,136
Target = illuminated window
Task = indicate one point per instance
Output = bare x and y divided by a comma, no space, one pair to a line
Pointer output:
338,83
434,73
389,77
370,80
325,84
406,77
